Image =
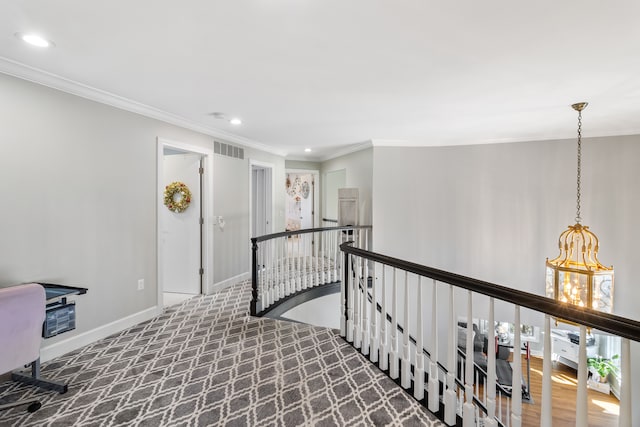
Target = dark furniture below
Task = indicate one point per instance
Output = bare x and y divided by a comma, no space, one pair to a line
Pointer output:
504,372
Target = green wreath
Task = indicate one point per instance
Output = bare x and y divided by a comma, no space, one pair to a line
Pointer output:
179,203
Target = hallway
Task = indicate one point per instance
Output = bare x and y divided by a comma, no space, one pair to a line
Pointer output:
206,362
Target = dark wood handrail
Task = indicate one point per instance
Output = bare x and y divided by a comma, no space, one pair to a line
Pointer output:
307,230
611,323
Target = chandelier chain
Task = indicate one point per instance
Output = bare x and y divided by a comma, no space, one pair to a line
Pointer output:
578,218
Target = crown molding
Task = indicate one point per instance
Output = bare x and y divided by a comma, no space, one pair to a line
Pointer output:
54,81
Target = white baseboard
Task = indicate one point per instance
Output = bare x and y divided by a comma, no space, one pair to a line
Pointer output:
228,282
52,351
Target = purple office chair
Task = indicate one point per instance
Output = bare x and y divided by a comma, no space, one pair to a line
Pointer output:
22,312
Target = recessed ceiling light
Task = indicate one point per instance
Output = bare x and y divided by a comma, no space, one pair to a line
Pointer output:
35,40
307,150
235,121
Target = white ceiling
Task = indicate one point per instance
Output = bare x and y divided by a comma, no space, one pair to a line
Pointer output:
332,74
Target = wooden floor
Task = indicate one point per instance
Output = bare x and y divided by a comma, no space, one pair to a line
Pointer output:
603,409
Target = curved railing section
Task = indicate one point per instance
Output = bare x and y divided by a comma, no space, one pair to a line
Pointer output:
422,300
286,263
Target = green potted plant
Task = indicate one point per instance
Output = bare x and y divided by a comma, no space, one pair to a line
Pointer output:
603,366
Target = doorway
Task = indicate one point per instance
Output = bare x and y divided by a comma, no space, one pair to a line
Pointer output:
301,188
184,238
261,193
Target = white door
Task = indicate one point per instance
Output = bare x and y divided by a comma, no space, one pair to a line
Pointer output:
181,234
300,195
260,200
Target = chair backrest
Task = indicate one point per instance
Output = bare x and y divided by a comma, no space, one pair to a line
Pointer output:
22,312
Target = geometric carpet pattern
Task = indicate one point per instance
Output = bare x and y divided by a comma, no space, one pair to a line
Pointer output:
206,362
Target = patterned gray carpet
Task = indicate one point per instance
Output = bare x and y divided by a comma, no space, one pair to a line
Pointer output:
206,362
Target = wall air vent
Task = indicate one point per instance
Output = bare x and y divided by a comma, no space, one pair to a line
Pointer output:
228,150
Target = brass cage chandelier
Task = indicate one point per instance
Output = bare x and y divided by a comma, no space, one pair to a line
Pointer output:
576,276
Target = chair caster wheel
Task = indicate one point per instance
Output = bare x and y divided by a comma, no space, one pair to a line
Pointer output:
34,406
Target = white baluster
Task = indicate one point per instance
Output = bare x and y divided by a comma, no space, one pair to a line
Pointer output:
277,255
393,364
261,274
468,412
287,286
365,312
490,385
384,342
450,395
292,267
625,384
500,412
357,333
546,404
297,264
405,380
269,246
373,328
351,294
283,263
582,408
332,255
418,377
338,257
508,412
323,259
284,267
261,288
305,281
316,274
434,383
343,318
274,270
516,383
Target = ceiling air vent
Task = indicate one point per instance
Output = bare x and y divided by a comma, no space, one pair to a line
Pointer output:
228,150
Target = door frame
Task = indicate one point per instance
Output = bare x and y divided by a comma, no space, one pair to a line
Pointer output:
317,216
206,194
263,165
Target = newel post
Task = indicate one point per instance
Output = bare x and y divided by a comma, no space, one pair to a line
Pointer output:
254,276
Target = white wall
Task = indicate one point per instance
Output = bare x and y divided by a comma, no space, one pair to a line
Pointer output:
495,212
300,164
359,174
332,181
231,201
82,183
79,181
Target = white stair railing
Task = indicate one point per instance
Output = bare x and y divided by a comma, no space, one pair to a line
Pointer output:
287,263
453,389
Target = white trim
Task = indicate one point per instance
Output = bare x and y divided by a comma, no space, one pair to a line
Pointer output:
85,338
54,81
253,162
207,209
228,282
317,216
260,164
